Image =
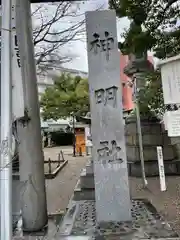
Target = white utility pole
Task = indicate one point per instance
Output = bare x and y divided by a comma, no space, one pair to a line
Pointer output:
33,196
6,122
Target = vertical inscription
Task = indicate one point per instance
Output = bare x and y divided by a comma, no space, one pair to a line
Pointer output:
14,36
109,152
104,44
107,96
161,168
16,48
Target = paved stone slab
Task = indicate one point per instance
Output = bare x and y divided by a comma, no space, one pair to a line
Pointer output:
109,153
76,238
107,238
48,233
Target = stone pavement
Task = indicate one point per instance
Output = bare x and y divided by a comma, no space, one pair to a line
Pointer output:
60,189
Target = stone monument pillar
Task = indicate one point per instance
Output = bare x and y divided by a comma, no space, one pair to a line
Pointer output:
152,134
109,153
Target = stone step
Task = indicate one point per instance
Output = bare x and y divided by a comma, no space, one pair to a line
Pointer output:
89,167
86,180
146,128
151,168
172,167
83,194
149,139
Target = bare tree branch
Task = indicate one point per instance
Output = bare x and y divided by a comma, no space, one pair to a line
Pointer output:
55,25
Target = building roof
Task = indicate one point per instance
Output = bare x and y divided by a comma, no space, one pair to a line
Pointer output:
61,69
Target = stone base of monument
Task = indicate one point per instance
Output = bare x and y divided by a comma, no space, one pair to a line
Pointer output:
80,221
84,189
152,135
83,193
86,180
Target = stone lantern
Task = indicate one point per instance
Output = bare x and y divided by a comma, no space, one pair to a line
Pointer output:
152,133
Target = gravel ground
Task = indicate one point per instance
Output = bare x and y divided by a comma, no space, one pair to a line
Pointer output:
167,203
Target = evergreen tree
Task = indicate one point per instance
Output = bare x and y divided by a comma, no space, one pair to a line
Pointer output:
69,95
153,26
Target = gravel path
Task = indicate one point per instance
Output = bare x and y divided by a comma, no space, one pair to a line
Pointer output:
60,189
167,203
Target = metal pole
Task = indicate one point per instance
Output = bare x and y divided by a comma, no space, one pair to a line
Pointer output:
74,137
33,197
6,121
141,152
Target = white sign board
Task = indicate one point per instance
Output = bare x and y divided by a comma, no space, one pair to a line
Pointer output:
161,169
173,123
165,121
17,81
170,73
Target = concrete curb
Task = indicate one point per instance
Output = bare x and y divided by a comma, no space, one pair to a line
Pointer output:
52,175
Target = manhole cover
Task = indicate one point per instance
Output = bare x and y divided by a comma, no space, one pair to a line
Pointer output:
146,222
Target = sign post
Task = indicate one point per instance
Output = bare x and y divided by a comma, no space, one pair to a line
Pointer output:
161,169
6,122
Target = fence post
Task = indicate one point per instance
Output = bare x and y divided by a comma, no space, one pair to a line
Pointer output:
80,151
49,165
59,160
62,155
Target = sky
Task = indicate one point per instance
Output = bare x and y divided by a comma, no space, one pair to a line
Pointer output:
80,62
78,49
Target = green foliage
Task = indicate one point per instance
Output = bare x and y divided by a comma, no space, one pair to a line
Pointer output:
151,96
69,95
168,44
153,26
